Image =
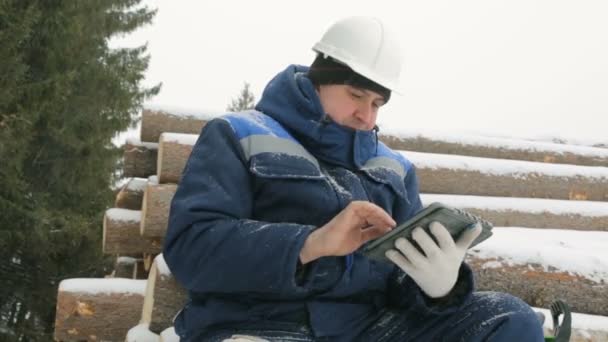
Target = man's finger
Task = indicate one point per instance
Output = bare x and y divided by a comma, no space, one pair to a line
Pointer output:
444,239
374,232
400,260
468,237
410,252
373,214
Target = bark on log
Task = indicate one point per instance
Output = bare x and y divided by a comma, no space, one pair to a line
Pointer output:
173,153
131,194
156,204
514,218
97,309
155,122
539,287
139,159
121,233
530,212
164,297
447,174
503,149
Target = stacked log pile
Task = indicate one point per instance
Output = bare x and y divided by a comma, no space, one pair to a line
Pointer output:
555,188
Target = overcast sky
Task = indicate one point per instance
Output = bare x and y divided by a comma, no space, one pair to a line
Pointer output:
506,67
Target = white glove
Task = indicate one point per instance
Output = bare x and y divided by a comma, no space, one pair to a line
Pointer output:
437,272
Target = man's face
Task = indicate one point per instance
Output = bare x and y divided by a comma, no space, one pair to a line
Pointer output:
350,106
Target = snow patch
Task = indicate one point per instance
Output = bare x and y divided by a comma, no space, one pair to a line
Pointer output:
516,168
179,138
497,142
586,251
161,265
141,333
526,205
103,285
197,113
169,335
137,184
138,142
125,215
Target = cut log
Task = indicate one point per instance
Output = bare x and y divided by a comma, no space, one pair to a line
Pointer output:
141,333
121,233
97,309
148,260
164,297
173,153
530,212
448,174
541,265
124,267
139,158
498,148
157,121
131,194
154,122
156,204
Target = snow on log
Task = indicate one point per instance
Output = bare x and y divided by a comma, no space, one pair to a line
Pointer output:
156,121
169,335
141,333
97,309
139,158
541,265
494,147
173,152
155,210
451,174
164,297
131,194
121,233
530,212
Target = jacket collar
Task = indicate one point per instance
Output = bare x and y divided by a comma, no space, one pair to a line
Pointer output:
291,99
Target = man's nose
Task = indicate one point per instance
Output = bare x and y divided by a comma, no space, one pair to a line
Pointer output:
366,115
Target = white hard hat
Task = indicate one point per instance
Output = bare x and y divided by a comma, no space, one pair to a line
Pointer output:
367,46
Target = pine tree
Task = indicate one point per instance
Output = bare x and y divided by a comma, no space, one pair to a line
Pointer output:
246,100
64,94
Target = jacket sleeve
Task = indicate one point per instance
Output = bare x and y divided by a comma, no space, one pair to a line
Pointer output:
403,292
212,245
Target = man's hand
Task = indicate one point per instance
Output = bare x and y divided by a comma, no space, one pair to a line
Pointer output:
435,271
358,223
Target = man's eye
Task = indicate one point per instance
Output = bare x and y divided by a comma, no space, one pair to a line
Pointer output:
358,96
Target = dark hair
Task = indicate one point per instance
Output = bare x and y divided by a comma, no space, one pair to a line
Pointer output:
326,70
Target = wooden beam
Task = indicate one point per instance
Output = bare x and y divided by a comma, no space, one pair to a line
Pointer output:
164,297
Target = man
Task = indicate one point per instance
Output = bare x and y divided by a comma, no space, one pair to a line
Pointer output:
274,204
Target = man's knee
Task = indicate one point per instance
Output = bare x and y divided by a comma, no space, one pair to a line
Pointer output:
507,315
